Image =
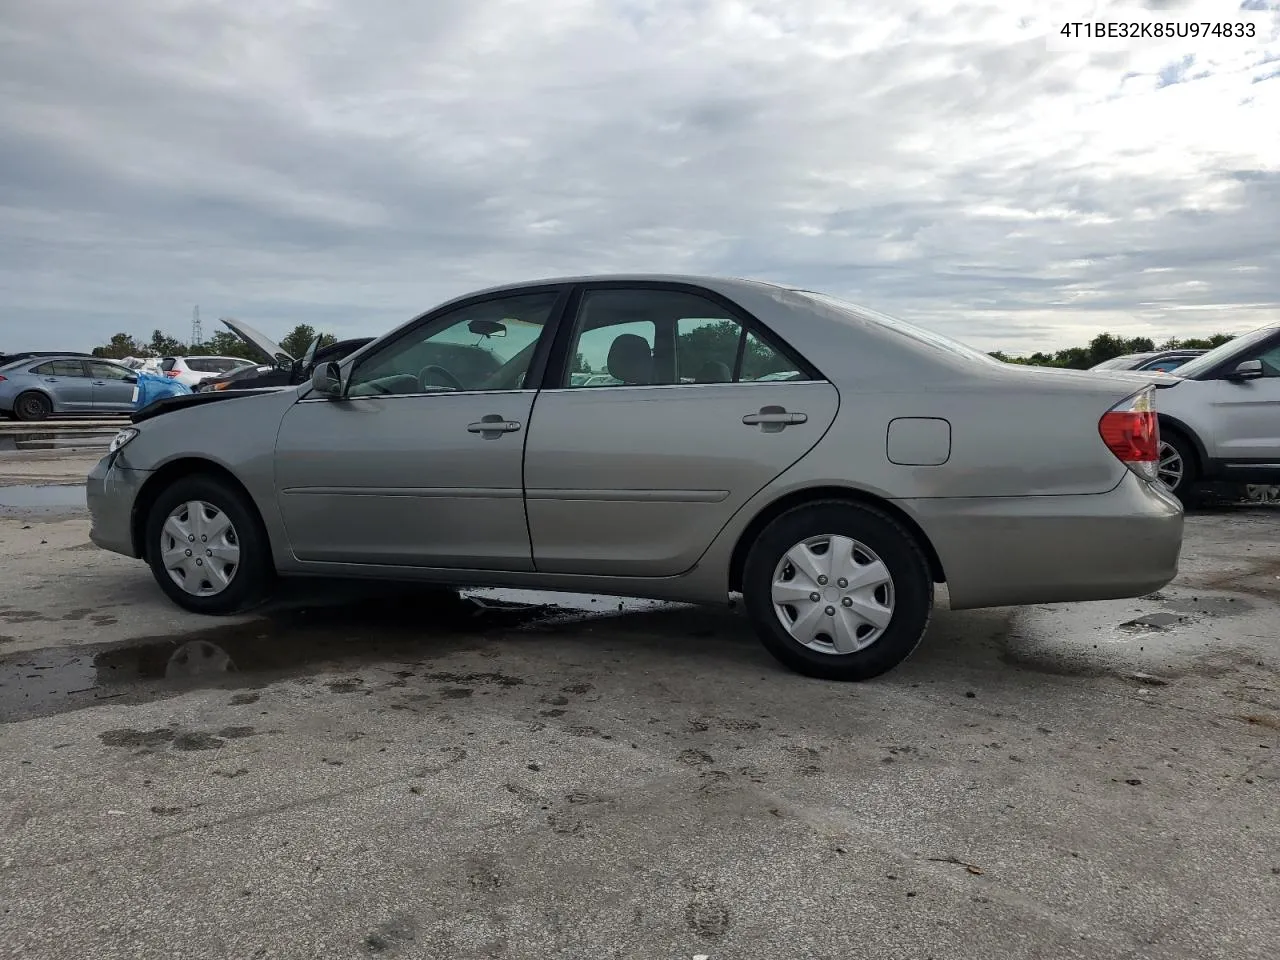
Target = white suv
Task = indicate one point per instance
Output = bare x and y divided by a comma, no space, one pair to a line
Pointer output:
191,370
1220,420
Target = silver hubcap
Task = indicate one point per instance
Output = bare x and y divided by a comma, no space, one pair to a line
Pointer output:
833,594
200,549
1171,466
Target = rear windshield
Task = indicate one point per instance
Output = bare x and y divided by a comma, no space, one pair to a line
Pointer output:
927,337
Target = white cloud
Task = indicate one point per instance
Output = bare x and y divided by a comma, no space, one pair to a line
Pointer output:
350,163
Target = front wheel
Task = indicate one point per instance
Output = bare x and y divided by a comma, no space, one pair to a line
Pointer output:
206,547
838,590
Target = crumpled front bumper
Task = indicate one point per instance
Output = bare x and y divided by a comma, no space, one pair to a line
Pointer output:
112,493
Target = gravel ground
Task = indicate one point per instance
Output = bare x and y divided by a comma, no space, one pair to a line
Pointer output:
392,774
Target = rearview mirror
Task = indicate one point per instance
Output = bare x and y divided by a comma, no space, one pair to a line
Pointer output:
326,380
488,328
1246,370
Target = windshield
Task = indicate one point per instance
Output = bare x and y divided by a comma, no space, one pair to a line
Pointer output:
1207,361
919,334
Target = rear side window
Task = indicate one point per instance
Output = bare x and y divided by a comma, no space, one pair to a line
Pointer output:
665,337
168,363
60,368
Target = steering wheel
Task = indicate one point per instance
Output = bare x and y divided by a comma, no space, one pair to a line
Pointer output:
452,381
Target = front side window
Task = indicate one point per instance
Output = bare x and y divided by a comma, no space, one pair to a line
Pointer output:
1270,361
665,338
60,368
108,371
481,346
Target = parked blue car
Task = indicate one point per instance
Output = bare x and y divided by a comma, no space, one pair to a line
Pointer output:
39,387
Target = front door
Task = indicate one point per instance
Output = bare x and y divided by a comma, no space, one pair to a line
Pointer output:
671,413
420,463
113,387
1247,412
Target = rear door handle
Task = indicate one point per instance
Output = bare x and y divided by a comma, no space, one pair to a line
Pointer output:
773,419
492,426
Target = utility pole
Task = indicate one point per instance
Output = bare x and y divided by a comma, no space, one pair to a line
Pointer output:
197,333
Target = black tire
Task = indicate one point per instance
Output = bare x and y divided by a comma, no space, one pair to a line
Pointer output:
1185,486
32,405
912,585
254,576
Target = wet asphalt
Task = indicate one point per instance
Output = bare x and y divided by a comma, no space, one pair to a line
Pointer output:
399,772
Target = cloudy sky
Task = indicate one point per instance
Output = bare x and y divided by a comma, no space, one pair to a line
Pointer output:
348,163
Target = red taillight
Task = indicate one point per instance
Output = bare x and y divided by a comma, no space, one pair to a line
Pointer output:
171,373
1131,431
1,379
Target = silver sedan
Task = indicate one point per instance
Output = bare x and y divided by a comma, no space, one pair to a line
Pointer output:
40,387
681,438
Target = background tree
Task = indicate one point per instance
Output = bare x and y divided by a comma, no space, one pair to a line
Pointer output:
1105,346
224,343
299,339
118,347
580,364
163,345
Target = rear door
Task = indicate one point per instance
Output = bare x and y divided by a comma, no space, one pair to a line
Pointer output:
67,381
634,469
113,387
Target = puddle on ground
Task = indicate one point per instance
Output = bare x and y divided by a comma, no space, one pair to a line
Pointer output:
392,624
44,498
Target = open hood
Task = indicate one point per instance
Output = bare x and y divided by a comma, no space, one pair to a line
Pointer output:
254,338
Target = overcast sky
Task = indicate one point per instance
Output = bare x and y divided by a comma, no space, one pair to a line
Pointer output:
349,163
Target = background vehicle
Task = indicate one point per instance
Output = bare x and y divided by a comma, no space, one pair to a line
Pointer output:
191,370
7,358
42,386
1221,421
1162,360
283,370
457,450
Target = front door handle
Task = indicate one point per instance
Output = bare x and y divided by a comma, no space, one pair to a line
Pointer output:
773,419
491,426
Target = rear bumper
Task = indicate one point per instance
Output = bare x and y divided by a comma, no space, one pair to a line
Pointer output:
1006,551
112,491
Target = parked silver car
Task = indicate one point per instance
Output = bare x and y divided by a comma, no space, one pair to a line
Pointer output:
457,450
39,387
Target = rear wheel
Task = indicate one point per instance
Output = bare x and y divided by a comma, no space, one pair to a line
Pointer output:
838,590
206,547
1177,466
32,406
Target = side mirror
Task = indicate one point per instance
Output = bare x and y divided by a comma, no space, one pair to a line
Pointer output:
326,380
1246,370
